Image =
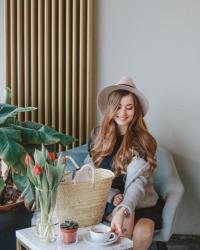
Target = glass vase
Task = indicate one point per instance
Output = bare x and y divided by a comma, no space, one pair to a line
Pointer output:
45,227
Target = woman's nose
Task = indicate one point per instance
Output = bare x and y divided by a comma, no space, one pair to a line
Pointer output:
122,111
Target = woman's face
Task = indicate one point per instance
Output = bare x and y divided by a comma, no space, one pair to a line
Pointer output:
125,113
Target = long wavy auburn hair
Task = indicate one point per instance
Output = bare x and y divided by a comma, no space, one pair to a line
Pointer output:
136,139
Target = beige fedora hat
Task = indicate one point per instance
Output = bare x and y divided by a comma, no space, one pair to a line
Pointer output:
125,83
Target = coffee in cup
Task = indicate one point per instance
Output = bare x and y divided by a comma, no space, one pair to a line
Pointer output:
101,234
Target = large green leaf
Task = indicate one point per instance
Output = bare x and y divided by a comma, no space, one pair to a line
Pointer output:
11,152
29,124
29,136
35,133
24,185
11,134
51,136
9,111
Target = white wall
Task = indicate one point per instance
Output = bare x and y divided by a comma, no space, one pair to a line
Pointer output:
158,44
1,49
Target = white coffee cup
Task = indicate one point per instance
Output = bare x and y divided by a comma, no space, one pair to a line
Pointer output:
101,233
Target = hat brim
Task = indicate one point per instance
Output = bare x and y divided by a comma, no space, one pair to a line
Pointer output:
102,98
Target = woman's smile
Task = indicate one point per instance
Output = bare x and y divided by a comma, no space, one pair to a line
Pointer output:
125,113
123,118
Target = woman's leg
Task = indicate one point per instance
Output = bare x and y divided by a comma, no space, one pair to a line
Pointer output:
143,234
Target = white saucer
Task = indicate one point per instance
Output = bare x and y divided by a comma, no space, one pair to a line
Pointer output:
87,238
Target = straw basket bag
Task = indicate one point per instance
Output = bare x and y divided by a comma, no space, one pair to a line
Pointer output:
84,199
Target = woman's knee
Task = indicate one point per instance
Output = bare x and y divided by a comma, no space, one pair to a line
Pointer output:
143,230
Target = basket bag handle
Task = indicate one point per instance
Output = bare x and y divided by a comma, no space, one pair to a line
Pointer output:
83,174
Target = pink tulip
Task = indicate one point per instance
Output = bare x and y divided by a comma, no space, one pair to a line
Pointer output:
28,159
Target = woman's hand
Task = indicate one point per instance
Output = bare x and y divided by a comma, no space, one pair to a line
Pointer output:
118,198
117,222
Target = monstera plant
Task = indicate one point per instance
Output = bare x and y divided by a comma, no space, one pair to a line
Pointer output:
17,138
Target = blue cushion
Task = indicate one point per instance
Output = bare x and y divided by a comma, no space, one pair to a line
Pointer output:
78,154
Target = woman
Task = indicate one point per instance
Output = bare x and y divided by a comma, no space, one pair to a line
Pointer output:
124,145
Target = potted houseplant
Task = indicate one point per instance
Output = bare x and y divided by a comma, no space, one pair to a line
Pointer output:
17,138
69,231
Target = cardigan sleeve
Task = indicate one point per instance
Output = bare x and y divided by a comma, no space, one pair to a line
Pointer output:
137,178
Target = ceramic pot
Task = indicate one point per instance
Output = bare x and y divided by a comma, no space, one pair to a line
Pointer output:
69,235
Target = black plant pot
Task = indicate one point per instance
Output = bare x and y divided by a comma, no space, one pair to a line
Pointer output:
10,221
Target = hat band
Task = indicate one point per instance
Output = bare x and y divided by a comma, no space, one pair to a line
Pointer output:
128,85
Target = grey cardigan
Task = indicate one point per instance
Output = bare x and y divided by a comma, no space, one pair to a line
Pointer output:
139,191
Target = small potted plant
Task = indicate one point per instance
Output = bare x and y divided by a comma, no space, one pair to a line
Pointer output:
69,231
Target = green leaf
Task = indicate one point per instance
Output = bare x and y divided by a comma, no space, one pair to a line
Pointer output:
31,174
29,136
39,158
11,152
7,95
29,124
10,111
24,185
2,184
12,134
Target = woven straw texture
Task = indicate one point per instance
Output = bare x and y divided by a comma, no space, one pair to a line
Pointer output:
84,201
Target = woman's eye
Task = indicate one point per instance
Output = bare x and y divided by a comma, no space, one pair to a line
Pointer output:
129,108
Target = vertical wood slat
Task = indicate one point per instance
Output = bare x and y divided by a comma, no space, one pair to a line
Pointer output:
89,65
54,63
34,63
61,66
47,62
48,57
27,56
82,74
20,54
75,70
68,92
13,51
41,61
7,65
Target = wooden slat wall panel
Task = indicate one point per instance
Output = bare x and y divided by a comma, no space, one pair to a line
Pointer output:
61,66
34,58
75,90
54,38
47,65
7,56
90,23
20,56
48,61
27,56
68,91
41,67
82,71
13,36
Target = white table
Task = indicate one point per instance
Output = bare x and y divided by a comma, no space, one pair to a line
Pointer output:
28,238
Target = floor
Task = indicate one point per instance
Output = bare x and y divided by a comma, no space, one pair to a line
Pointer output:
180,242
184,242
